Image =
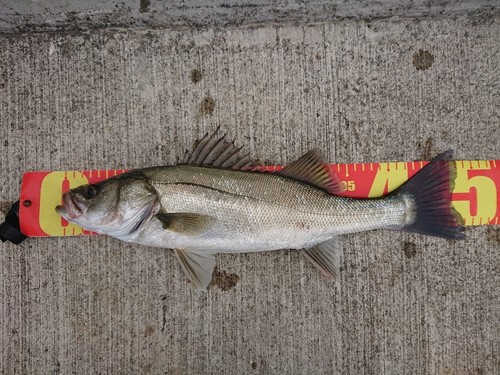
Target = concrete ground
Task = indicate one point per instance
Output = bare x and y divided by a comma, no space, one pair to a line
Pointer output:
360,90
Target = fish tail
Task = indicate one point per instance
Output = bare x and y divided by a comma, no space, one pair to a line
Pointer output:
429,197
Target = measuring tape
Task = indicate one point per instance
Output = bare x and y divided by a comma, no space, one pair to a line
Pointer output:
476,195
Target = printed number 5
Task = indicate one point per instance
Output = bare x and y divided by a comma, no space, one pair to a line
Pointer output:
349,185
475,195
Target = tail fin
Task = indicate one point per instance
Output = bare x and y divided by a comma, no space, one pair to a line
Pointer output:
430,190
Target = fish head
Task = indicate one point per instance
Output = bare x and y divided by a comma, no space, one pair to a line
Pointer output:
119,206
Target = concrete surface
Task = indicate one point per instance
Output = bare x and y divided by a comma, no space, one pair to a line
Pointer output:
71,15
360,91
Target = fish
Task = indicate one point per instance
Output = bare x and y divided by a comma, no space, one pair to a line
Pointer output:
216,201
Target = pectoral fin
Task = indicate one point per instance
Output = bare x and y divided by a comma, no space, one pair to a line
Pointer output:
186,223
197,266
326,256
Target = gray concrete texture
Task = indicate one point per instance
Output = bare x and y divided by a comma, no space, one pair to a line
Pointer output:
70,15
360,91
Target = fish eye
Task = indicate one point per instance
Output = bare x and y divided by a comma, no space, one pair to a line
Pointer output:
90,192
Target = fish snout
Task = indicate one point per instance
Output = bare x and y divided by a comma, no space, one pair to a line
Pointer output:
71,208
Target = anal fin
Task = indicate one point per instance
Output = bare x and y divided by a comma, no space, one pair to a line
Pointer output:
197,266
327,256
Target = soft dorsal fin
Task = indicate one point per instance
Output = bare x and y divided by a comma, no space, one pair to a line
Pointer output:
198,266
313,169
216,151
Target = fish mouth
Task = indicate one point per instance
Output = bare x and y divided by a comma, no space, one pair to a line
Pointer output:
71,208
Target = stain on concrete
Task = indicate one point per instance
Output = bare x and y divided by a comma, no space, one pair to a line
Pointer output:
67,49
260,365
394,278
207,106
106,295
426,148
445,135
410,249
493,234
57,368
422,60
196,75
144,6
164,316
446,371
148,331
5,206
111,46
83,329
223,280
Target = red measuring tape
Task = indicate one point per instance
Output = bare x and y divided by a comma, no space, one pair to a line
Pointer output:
476,195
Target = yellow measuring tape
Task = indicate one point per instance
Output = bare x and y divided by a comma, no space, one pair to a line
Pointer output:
475,195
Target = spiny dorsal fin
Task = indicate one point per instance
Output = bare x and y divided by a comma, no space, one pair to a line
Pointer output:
198,267
185,223
326,256
216,151
313,169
